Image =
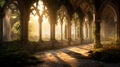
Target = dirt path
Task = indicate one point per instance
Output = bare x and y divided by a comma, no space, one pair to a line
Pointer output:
70,57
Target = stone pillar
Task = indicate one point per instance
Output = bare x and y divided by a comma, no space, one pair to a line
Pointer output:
118,32
90,32
1,29
76,31
69,29
81,32
40,30
66,26
97,43
52,31
24,25
61,30
1,24
24,19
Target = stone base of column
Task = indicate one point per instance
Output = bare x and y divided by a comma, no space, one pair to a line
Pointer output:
53,41
117,42
97,45
40,41
69,41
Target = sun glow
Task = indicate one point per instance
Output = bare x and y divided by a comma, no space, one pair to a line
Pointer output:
34,23
45,29
33,28
58,31
73,31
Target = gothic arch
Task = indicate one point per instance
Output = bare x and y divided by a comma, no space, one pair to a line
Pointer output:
75,26
62,20
109,22
11,22
38,20
112,10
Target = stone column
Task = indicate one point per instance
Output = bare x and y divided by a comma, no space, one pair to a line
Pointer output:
62,30
118,32
1,29
1,24
97,43
24,19
40,30
52,31
81,32
69,29
76,31
65,32
90,32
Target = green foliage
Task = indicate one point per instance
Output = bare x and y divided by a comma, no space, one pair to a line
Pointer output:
2,2
16,27
16,31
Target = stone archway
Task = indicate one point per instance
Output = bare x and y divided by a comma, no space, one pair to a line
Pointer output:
39,25
11,23
108,24
63,23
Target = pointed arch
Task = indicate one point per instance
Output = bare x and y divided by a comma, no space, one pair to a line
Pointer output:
11,22
40,22
109,23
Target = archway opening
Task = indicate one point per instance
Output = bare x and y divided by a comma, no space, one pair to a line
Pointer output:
75,27
61,25
39,24
45,28
86,29
108,24
11,23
